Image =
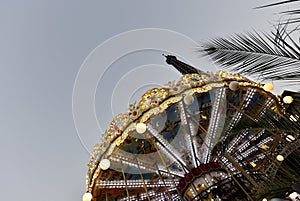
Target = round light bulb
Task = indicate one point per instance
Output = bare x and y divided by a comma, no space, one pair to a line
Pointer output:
279,157
104,164
290,138
288,99
234,85
265,199
268,87
294,195
188,99
87,196
293,118
140,128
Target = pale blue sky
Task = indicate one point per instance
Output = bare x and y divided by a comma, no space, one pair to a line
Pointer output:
42,46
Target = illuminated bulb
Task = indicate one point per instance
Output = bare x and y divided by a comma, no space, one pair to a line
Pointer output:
140,128
104,164
292,118
294,196
203,117
288,99
188,99
234,85
290,138
253,164
87,196
280,158
265,199
268,87
265,147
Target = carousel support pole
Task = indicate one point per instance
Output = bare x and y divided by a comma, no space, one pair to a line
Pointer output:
236,181
145,187
125,181
165,186
165,165
238,167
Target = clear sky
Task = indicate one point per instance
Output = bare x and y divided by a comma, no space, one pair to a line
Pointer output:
42,46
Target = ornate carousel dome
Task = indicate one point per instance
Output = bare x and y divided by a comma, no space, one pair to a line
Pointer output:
207,137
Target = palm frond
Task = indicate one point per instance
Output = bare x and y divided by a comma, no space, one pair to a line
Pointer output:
277,3
294,12
274,56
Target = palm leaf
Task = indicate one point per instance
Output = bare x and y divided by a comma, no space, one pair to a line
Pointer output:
278,3
293,12
274,56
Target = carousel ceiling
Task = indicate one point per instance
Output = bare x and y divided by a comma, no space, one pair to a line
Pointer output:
207,137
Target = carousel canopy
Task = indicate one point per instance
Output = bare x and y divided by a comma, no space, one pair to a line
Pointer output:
207,137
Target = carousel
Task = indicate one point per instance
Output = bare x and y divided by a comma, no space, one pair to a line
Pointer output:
207,137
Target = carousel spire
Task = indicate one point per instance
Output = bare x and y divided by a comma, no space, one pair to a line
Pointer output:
182,67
